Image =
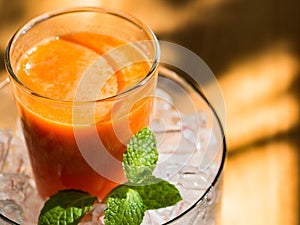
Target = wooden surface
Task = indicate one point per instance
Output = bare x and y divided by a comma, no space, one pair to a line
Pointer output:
253,49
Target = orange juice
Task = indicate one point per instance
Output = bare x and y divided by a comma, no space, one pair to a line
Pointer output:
56,128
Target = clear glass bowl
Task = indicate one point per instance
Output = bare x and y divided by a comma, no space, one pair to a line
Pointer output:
191,147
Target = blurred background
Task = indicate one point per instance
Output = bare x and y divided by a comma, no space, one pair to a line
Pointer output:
253,48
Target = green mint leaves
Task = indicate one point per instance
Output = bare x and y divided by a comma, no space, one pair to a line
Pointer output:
124,206
146,191
66,208
158,194
127,203
141,156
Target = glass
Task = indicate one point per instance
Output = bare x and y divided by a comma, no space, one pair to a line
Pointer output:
76,143
191,148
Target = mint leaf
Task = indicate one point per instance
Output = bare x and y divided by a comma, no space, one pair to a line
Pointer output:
124,206
66,208
141,156
127,203
158,193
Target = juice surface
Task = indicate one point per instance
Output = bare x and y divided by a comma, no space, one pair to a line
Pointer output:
55,69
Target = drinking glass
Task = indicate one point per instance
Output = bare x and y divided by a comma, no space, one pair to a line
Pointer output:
78,143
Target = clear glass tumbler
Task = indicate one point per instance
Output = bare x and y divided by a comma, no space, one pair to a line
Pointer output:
78,142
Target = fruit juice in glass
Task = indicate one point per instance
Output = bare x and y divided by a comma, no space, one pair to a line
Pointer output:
84,81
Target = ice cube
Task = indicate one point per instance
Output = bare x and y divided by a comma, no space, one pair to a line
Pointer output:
198,136
17,160
165,117
5,138
162,95
153,217
95,216
11,210
168,171
192,178
13,186
195,120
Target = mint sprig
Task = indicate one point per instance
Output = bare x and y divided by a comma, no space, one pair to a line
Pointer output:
66,208
158,193
141,157
124,206
127,203
139,161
